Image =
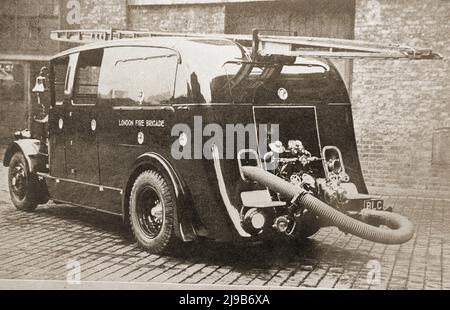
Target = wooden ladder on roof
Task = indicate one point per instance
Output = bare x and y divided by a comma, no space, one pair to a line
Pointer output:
263,46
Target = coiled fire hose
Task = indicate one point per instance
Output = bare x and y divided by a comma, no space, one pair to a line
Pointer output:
401,229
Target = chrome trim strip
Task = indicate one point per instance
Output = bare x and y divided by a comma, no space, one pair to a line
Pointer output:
57,179
72,103
130,145
138,42
167,108
183,237
282,106
211,104
256,132
317,127
339,104
82,104
232,211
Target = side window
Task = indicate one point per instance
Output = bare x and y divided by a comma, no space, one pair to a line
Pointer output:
59,75
138,75
87,74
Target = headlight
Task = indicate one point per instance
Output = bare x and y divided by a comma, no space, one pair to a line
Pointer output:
334,165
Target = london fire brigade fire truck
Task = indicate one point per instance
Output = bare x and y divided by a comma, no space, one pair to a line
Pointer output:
191,137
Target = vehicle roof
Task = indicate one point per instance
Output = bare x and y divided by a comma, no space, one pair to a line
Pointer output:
175,43
205,59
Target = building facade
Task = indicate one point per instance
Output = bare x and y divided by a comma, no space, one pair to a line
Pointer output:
401,108
25,47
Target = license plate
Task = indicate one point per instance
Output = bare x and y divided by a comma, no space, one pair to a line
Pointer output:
375,204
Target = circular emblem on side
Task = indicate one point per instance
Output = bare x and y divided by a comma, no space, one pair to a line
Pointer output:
93,125
140,98
283,93
60,123
140,137
182,139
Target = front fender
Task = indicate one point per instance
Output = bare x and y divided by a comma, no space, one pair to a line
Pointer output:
30,149
183,214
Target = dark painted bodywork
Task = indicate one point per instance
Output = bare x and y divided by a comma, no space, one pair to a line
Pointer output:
96,167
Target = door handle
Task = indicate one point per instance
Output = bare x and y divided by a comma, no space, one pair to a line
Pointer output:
169,109
183,108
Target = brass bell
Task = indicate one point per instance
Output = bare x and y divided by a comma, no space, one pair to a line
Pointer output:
39,87
41,82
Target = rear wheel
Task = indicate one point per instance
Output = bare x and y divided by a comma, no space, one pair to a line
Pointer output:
152,212
23,185
308,226
306,232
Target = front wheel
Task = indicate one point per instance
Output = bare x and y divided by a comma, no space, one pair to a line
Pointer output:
23,185
152,212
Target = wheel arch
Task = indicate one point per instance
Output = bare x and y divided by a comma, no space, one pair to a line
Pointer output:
29,148
154,161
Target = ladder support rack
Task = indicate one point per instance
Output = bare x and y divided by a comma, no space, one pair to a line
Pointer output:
262,46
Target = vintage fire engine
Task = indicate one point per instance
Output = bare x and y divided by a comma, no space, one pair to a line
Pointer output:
109,137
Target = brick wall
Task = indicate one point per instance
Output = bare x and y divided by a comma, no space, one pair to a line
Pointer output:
25,26
398,105
182,18
103,14
318,18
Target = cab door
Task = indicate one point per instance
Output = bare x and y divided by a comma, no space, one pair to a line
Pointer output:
81,121
60,91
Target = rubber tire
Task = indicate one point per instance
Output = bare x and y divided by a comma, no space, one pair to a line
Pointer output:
166,239
306,232
32,196
310,227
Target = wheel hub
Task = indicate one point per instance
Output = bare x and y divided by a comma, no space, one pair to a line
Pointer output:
150,212
18,181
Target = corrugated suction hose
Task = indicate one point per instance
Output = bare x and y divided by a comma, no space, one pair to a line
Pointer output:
401,229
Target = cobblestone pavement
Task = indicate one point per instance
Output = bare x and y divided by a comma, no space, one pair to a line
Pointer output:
40,245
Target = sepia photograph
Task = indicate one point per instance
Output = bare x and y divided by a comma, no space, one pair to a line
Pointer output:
225,145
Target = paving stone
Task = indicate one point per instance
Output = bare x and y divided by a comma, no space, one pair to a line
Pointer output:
40,245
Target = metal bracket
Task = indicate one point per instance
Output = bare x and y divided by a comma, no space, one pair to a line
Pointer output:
240,157
263,47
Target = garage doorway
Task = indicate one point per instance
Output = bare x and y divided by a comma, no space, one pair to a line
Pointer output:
319,18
